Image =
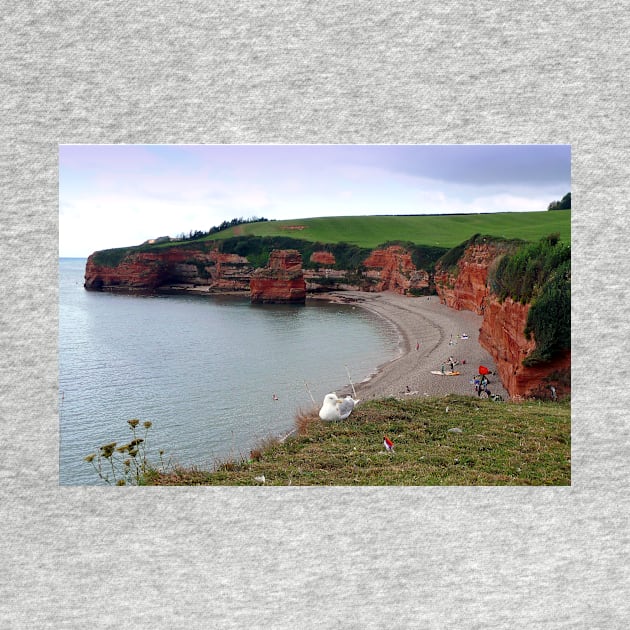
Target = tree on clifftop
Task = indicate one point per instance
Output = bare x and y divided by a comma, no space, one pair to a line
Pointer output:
563,204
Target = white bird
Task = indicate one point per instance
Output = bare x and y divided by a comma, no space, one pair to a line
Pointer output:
335,408
346,406
330,407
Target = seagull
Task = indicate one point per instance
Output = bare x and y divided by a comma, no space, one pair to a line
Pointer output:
330,407
346,406
388,444
335,408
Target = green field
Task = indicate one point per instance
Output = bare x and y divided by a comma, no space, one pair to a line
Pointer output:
441,230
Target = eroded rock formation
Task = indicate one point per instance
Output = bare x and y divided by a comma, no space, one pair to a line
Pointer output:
392,269
323,259
501,334
149,271
466,288
281,281
502,330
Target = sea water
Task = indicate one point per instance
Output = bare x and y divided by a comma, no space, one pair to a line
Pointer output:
202,369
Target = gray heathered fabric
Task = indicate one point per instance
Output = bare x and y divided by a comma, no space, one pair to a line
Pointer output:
301,72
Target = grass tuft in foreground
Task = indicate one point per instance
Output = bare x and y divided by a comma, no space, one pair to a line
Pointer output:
455,440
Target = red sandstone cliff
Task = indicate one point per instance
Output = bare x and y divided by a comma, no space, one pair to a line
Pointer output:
501,332
392,269
323,259
466,288
281,281
148,271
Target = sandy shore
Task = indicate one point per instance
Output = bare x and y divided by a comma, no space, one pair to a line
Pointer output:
438,330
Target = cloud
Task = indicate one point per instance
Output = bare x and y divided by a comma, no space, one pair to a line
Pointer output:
478,165
113,196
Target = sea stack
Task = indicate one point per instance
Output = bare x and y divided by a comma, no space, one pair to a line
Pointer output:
281,281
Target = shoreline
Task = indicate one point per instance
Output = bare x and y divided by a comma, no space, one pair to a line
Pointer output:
438,330
436,327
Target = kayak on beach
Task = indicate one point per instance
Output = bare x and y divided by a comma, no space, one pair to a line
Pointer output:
439,373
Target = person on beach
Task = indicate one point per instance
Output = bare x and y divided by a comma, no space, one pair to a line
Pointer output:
477,384
417,345
452,363
483,386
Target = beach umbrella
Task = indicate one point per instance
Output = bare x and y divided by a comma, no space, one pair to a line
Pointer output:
483,370
388,444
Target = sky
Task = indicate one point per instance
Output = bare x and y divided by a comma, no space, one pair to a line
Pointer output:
121,195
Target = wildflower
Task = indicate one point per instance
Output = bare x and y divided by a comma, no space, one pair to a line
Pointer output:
89,458
147,425
121,482
133,423
123,448
108,450
135,442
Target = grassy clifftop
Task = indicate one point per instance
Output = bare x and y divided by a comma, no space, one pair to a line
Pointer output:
456,440
435,230
368,232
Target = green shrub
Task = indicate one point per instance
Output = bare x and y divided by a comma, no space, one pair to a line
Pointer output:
448,261
549,317
539,274
522,274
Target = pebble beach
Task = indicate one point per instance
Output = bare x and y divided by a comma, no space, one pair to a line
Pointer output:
430,333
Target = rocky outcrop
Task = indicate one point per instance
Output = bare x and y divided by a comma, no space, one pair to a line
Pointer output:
392,269
502,329
281,281
323,259
149,271
501,333
389,269
466,287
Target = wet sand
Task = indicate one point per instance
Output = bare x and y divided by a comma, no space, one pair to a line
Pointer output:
438,329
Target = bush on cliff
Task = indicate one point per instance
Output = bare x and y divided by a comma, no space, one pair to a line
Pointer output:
448,261
522,275
549,318
539,274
